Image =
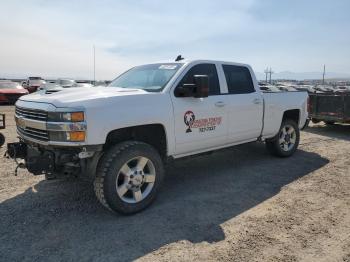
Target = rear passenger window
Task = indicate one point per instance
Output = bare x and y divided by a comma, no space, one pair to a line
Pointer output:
239,80
204,69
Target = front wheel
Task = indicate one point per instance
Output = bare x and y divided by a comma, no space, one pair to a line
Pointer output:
286,142
129,176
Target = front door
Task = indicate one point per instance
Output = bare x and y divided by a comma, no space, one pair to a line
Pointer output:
200,123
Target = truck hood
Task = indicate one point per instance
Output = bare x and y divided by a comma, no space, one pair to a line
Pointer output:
80,96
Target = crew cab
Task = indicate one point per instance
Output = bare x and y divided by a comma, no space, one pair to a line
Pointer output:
120,136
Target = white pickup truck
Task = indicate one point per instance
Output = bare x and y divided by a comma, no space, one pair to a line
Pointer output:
121,135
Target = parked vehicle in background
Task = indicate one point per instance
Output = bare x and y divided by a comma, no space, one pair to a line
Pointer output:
33,83
66,82
50,88
342,89
54,87
102,83
324,88
286,88
83,85
270,88
120,136
329,107
307,88
10,92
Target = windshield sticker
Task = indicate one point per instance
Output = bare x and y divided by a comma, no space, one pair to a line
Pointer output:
168,67
202,125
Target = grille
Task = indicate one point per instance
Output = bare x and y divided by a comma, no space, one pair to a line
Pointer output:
31,113
38,134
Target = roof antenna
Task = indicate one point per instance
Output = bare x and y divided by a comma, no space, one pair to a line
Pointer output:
179,58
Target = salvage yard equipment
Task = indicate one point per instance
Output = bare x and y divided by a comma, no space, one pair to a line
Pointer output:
330,107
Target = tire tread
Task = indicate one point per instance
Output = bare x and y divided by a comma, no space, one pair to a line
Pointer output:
103,168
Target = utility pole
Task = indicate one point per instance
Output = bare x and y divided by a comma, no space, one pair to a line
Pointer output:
266,73
324,73
270,72
94,66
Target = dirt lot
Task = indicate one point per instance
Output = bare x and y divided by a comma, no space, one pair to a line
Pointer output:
238,204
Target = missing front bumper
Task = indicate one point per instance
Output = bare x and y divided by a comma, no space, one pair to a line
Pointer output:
36,161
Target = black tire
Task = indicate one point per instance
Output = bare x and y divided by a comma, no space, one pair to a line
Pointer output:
330,123
110,166
2,140
315,121
273,145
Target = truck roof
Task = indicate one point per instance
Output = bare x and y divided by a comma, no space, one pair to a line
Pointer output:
189,61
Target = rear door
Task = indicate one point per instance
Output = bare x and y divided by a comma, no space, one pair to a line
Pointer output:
245,104
200,123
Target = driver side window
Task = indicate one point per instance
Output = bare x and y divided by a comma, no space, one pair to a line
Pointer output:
204,69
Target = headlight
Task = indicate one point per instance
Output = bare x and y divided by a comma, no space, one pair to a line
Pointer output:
66,126
66,116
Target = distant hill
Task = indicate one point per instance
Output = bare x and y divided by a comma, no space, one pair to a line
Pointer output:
304,75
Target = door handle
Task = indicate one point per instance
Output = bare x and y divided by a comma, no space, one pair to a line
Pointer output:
257,101
220,104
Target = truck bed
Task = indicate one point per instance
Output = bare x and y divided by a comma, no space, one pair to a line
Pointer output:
276,103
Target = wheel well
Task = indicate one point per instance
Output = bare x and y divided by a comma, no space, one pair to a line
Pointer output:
153,134
292,115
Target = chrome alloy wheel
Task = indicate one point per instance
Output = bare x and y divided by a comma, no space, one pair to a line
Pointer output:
287,138
135,179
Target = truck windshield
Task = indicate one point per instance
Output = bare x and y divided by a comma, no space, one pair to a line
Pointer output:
152,78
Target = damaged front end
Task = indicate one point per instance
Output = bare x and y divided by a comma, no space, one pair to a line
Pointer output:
53,142
54,162
40,160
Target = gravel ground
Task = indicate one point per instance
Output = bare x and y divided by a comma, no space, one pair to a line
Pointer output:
238,204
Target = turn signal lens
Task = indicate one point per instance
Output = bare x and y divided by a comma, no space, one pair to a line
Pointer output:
76,136
77,116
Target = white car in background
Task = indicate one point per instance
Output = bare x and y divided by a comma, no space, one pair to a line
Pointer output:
61,84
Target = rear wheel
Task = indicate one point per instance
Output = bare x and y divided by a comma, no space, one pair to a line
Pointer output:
129,176
286,142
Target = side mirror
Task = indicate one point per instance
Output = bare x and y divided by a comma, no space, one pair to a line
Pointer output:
186,90
200,88
201,83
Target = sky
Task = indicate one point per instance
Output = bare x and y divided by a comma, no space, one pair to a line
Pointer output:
56,38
